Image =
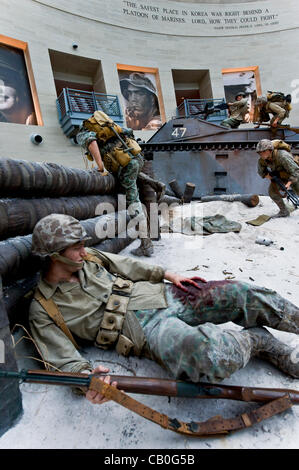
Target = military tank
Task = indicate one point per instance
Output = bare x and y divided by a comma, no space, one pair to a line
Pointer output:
217,160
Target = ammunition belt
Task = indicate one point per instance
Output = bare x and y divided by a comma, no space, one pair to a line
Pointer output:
114,316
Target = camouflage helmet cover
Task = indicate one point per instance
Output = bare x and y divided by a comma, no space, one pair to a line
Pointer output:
55,233
264,144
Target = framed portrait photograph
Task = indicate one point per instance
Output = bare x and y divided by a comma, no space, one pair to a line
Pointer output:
141,94
18,98
245,80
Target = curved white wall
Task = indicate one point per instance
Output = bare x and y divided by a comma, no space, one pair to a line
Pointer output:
104,32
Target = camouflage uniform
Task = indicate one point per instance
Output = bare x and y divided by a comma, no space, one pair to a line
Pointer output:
287,169
238,110
127,175
185,339
176,329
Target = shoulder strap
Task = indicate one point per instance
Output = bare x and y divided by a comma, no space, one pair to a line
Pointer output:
53,311
93,258
215,426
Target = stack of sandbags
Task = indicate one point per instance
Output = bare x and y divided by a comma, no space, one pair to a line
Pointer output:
30,191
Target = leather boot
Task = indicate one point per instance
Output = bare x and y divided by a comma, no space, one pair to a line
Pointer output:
265,346
145,249
283,210
157,186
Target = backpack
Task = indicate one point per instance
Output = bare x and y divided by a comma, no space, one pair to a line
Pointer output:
281,145
102,125
278,97
117,156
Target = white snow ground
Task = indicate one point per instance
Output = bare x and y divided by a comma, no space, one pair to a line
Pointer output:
56,419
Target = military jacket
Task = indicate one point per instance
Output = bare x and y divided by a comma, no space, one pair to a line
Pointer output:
83,303
278,109
283,163
239,109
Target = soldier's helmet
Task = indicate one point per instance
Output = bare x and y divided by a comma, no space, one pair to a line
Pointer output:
261,100
55,233
139,80
264,144
241,93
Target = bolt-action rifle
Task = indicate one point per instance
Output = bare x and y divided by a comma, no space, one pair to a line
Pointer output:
286,127
289,193
274,400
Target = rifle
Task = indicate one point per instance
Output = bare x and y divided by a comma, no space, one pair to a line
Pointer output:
286,127
290,194
275,400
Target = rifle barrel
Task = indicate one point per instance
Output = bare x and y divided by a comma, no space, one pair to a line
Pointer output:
157,386
177,388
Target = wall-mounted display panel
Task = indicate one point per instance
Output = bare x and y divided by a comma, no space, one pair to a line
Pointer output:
141,93
18,97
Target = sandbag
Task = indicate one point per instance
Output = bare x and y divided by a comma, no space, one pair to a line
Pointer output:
19,216
17,261
21,178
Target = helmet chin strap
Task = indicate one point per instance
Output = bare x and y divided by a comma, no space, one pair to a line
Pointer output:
68,261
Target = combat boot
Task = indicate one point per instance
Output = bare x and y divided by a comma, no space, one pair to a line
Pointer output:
283,210
157,186
265,346
145,249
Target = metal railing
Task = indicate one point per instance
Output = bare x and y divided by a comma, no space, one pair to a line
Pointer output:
190,107
74,106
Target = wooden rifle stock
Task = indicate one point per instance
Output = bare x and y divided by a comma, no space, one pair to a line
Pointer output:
166,387
287,128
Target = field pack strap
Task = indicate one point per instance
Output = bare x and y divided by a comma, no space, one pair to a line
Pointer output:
53,311
93,258
216,426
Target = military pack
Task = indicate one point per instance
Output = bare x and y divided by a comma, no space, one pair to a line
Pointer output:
106,130
278,96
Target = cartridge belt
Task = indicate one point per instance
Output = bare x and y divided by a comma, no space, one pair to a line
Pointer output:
109,333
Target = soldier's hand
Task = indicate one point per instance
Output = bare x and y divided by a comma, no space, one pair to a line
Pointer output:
103,172
178,280
95,397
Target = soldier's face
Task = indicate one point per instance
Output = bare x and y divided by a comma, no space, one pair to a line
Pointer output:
266,154
7,97
140,100
76,253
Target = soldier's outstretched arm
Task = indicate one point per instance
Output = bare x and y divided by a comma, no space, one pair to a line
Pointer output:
95,152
